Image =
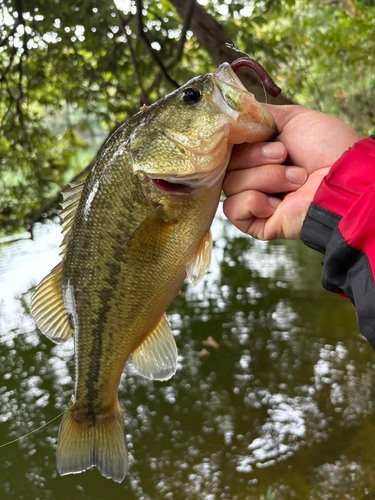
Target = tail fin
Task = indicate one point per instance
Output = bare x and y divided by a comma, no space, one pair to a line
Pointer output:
83,444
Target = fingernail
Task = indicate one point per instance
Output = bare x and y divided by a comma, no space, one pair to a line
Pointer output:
273,201
296,175
273,150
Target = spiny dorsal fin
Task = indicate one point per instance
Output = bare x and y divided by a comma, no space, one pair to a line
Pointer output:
71,197
201,261
156,357
47,303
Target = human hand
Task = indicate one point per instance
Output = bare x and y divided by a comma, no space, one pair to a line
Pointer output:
291,167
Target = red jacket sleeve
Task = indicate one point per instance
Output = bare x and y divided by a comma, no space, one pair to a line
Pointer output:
340,223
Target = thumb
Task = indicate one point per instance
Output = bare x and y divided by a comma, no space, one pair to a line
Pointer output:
284,113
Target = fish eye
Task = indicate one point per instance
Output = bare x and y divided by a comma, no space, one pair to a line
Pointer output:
190,95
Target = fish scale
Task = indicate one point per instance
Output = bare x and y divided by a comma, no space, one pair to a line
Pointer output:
132,232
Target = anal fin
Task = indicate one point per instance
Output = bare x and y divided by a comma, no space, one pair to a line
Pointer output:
156,357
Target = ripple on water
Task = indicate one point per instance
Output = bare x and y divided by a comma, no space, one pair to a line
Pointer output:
278,402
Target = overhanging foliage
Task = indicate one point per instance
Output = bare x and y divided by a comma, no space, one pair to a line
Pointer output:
72,70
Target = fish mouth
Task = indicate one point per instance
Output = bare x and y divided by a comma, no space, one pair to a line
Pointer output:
193,183
170,187
226,74
252,122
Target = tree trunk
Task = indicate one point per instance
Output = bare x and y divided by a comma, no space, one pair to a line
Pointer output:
213,38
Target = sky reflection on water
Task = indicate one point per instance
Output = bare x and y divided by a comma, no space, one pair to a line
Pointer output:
286,400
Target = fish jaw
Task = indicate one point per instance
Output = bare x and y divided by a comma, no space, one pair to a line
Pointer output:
190,148
194,183
252,122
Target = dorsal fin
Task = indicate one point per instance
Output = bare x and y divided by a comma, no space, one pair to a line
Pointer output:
156,357
71,197
200,263
47,303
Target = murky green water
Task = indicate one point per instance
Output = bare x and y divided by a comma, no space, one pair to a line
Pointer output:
285,400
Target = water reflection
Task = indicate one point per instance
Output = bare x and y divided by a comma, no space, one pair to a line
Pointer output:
281,395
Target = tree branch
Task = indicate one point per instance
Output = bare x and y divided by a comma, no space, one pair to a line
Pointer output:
180,48
144,94
38,215
53,202
11,32
12,100
212,37
181,42
152,52
122,24
21,57
11,59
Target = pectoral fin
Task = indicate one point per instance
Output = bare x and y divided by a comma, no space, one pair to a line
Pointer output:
156,357
201,261
148,240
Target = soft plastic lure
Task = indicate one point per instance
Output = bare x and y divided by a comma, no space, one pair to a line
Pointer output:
269,84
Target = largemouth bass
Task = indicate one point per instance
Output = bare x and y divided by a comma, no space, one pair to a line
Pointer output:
132,232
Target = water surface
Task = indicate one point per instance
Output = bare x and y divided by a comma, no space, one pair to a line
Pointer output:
282,398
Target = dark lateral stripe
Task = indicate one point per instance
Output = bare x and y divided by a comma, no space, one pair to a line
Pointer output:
97,341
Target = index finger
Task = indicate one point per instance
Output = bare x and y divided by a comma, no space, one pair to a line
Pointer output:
255,155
